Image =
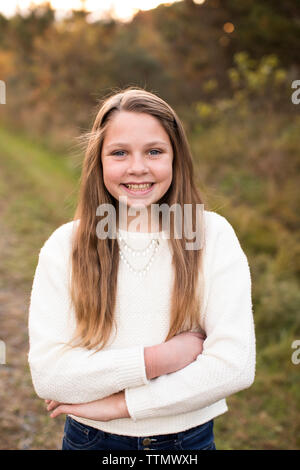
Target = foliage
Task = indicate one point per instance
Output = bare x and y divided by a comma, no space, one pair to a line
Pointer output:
254,84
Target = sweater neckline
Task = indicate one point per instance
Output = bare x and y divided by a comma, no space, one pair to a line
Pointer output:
141,235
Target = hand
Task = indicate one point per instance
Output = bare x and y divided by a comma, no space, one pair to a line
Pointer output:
105,409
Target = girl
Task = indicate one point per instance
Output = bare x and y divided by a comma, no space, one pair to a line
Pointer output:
134,335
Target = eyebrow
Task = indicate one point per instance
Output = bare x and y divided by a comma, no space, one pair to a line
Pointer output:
124,144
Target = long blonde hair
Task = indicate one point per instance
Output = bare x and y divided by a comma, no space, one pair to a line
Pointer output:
94,271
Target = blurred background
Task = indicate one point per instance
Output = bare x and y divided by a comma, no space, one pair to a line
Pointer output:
227,68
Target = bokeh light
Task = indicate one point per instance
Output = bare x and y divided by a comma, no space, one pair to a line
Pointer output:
228,27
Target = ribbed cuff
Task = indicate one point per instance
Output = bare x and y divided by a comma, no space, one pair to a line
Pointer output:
138,403
132,368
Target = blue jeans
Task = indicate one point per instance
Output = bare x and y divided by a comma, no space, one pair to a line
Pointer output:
78,436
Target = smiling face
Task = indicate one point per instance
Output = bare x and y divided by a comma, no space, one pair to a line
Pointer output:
137,158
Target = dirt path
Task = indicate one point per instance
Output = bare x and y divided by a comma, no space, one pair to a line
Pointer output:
24,423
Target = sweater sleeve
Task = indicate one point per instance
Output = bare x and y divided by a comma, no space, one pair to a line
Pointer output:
227,362
65,374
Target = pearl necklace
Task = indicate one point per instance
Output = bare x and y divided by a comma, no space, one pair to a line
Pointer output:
152,245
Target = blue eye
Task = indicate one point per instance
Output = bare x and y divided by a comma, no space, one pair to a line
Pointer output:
152,150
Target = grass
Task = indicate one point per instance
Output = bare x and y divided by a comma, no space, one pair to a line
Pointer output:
38,191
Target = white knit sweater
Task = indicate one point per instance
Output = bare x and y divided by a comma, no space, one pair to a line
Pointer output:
170,403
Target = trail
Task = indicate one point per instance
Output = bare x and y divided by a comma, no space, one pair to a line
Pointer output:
24,423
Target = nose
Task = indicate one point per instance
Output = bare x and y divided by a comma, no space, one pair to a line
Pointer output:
137,165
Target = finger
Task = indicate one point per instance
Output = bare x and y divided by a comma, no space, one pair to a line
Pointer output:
60,410
50,405
53,404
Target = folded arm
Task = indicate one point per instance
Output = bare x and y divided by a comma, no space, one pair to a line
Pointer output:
227,363
65,374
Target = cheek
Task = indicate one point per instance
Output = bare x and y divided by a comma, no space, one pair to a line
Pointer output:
163,173
111,174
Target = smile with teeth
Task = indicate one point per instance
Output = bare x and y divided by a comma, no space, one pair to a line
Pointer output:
138,187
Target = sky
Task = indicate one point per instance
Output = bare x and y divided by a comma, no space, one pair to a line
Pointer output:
119,9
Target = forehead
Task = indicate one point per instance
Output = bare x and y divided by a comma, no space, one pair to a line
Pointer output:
135,128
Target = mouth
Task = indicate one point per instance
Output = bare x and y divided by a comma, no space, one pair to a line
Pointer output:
142,188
